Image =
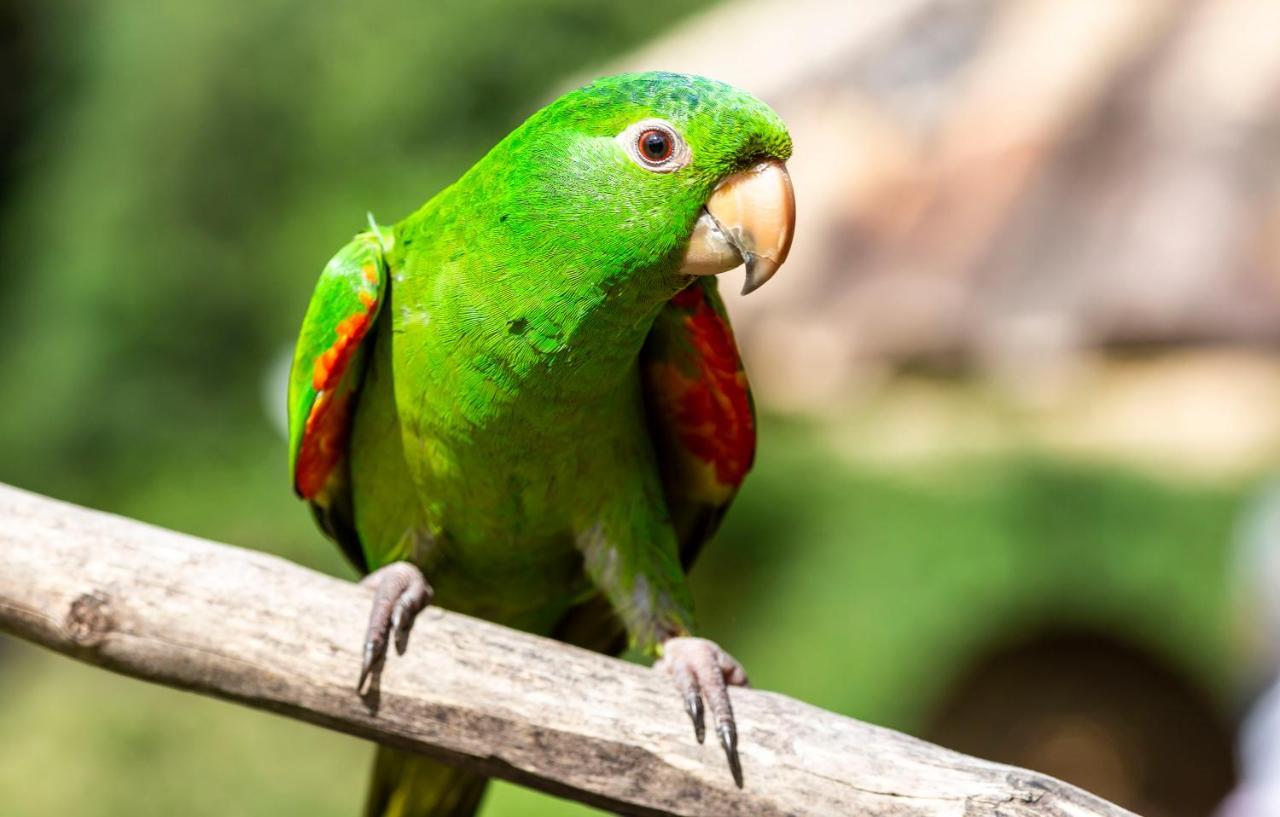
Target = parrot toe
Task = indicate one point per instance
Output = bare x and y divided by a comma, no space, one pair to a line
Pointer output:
703,671
401,592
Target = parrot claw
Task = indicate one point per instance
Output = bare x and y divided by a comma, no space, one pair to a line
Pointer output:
701,670
401,593
728,732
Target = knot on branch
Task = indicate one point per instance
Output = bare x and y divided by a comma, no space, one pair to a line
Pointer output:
89,619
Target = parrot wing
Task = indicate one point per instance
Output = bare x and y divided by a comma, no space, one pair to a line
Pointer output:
701,416
703,426
328,368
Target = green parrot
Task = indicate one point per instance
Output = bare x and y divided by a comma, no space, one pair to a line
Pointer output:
528,390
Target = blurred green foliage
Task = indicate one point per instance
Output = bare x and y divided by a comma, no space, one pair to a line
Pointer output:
183,172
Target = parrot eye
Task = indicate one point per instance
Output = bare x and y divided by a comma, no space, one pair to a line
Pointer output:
654,145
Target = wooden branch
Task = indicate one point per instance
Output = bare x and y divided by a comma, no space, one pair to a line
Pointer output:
252,628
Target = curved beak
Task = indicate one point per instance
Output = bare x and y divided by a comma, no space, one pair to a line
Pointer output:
749,218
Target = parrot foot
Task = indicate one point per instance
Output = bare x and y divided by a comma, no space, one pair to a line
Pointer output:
701,670
401,593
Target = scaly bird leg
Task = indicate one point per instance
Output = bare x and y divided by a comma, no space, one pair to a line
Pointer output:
401,591
703,671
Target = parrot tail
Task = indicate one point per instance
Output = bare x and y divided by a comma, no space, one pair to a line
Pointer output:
408,785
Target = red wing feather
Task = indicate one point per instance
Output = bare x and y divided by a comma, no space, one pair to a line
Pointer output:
701,416
328,363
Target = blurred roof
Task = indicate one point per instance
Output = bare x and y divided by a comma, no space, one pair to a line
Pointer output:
1004,183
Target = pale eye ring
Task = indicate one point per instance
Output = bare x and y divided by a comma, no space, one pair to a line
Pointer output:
655,145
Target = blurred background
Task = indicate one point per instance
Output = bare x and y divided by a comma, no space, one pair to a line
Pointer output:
1020,381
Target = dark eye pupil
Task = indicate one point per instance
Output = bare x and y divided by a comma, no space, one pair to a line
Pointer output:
656,146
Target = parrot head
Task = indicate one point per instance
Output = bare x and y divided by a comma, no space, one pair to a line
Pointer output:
642,180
